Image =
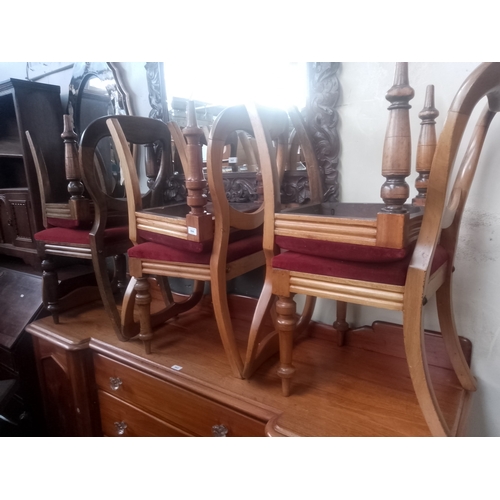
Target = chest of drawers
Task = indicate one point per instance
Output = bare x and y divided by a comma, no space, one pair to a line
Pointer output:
134,403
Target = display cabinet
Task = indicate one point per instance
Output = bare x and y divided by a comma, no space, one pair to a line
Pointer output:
26,105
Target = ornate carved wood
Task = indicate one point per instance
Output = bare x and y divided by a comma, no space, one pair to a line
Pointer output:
322,119
156,88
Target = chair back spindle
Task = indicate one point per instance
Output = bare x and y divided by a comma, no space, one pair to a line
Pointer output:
426,146
188,143
71,165
396,158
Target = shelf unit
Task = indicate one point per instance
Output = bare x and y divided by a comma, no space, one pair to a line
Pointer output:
36,107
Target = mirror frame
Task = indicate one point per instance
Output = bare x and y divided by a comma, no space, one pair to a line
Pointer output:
106,72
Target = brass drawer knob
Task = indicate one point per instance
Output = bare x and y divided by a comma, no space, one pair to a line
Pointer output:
120,428
219,431
115,383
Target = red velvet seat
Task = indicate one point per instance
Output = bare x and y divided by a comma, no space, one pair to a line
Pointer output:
198,247
390,273
342,251
68,223
154,251
61,235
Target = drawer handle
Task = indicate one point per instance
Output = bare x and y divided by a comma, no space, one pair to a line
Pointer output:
120,428
219,431
115,383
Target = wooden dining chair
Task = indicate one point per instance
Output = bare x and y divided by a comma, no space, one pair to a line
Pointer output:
66,221
112,212
341,257
102,233
207,243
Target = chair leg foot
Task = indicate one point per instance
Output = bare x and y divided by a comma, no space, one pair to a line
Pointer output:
340,324
286,320
147,345
286,374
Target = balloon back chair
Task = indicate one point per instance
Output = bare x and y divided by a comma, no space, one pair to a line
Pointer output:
204,243
394,256
69,228
92,227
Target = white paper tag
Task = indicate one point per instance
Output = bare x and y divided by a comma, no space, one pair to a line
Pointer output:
176,367
192,230
233,159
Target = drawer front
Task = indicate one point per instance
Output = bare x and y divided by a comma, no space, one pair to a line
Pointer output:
122,419
180,407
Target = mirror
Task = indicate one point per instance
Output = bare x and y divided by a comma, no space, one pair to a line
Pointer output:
313,87
95,91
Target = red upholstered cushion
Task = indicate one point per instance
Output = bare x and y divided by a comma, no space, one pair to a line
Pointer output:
80,236
342,251
194,246
69,223
154,251
178,243
391,273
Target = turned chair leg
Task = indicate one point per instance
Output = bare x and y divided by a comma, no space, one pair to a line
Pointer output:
340,324
286,319
143,301
50,285
120,273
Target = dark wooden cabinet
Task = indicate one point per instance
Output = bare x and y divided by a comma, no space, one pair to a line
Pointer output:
36,107
20,297
68,388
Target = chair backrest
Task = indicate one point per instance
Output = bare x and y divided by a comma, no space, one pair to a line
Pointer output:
445,221
97,176
265,125
76,210
42,175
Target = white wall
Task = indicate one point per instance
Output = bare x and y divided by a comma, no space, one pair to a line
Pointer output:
363,119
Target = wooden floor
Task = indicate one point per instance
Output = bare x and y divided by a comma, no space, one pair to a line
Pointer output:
360,389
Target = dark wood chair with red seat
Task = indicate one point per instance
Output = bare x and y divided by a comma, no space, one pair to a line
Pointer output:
104,235
59,216
326,265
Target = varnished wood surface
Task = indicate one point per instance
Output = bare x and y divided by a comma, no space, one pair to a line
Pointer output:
360,389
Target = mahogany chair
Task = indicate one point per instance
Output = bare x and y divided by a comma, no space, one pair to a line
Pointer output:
96,237
63,219
206,243
343,258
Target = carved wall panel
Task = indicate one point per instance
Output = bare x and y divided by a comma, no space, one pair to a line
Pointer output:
322,120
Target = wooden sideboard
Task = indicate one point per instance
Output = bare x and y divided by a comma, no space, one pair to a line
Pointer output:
95,385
